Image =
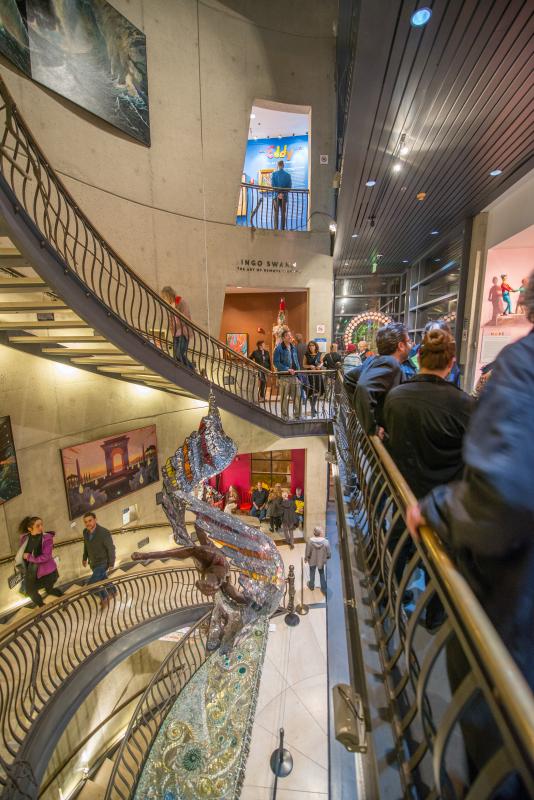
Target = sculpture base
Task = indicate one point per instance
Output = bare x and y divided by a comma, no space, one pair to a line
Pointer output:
281,766
292,619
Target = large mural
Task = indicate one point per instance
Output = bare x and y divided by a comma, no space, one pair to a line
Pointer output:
107,469
85,51
9,472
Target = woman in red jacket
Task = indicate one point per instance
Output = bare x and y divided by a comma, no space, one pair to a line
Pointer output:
40,567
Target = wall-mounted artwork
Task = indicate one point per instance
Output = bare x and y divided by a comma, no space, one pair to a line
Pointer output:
238,342
9,472
14,34
96,473
85,51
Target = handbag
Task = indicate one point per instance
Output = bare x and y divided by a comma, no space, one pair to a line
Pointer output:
19,555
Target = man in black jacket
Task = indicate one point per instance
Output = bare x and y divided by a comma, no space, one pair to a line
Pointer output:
486,520
379,375
261,356
259,502
99,550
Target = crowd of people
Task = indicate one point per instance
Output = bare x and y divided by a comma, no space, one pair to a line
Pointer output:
470,464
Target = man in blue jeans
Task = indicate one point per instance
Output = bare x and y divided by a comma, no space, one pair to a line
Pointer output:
259,502
99,550
280,180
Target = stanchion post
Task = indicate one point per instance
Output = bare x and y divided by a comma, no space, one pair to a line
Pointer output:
302,608
291,618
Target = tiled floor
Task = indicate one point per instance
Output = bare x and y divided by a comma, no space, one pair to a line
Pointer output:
293,695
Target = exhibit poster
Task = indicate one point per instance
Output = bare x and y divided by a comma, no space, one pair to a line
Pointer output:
98,472
9,472
84,50
238,342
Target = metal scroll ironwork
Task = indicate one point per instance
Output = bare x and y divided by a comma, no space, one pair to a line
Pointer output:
38,653
453,689
38,195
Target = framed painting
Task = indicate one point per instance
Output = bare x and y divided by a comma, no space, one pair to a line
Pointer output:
84,50
14,43
99,472
238,342
9,472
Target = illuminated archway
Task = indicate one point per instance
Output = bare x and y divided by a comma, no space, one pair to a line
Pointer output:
364,326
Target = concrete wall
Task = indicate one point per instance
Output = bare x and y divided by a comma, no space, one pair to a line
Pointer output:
204,74
52,407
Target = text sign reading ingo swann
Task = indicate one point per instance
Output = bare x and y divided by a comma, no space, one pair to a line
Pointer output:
265,265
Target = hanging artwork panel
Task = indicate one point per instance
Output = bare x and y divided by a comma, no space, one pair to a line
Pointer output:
9,472
84,50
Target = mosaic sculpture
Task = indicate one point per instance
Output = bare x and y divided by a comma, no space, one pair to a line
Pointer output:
223,540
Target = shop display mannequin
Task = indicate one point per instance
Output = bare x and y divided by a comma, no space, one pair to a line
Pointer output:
506,289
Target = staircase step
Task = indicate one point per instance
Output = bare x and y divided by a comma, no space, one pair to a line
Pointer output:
102,776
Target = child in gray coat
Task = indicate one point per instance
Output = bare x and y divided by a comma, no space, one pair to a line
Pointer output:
317,554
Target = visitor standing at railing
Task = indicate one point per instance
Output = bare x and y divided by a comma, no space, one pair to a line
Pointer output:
486,520
352,359
426,420
261,356
99,551
286,362
35,558
280,180
379,375
314,386
333,359
179,329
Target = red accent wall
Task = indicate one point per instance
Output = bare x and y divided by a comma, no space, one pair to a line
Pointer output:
298,469
238,473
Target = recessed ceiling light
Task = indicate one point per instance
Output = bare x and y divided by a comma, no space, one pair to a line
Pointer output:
420,17
405,261
355,236
437,259
397,167
434,233
404,151
332,227
370,183
253,116
495,172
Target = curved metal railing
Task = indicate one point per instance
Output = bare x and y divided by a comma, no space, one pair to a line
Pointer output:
36,190
273,209
158,699
447,691
39,652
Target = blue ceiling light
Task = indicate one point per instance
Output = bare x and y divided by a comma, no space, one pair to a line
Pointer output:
370,183
434,233
420,17
495,172
354,235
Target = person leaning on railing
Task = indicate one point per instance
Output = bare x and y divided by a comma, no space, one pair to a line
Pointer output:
286,362
486,520
280,180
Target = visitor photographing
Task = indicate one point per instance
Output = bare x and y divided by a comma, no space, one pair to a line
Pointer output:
99,551
36,561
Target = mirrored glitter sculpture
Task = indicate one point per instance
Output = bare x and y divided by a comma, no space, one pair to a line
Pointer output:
223,540
204,453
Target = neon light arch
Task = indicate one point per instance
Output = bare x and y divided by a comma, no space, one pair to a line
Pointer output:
375,317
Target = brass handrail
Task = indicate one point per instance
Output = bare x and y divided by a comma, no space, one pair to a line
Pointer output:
41,650
388,558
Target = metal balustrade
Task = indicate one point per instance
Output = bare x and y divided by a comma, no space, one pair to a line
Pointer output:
79,265
159,697
273,209
42,651
452,692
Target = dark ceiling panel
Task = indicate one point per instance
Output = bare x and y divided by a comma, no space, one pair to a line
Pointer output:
459,94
